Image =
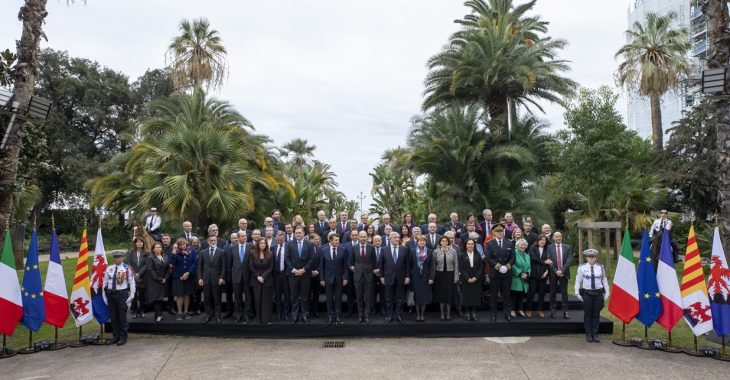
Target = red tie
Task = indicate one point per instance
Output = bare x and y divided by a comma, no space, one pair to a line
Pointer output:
560,258
362,253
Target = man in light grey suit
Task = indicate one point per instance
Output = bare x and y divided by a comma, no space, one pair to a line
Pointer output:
560,256
240,256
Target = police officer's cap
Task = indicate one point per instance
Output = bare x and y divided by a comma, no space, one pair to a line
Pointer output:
498,228
590,252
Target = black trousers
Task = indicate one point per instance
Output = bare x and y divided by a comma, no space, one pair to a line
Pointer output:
299,288
378,296
314,291
364,294
264,296
139,300
230,296
518,300
212,298
333,298
242,305
537,286
282,294
500,285
592,305
158,306
350,291
395,296
561,284
117,300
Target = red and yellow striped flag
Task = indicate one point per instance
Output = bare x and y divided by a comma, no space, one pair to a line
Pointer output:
695,302
80,301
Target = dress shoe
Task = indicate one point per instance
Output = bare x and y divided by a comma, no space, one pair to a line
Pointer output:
187,317
238,319
330,320
399,319
589,338
122,342
508,317
178,317
228,315
528,313
541,314
493,318
206,319
218,320
305,320
521,314
553,315
112,342
388,319
360,320
245,319
467,317
596,339
338,321
134,316
141,315
512,313
566,315
474,318
350,313
315,314
294,321
461,313
367,320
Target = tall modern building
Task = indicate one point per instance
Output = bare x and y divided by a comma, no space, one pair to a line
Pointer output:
674,101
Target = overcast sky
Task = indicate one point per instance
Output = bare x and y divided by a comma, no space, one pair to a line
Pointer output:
345,75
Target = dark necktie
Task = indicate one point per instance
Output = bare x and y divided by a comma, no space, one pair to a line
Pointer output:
663,224
362,253
281,262
395,254
593,279
560,257
334,252
114,280
499,242
210,252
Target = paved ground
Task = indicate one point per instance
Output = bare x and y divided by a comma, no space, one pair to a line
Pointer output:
475,358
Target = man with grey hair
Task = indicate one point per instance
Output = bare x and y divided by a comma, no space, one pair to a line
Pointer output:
395,265
386,223
378,289
213,231
281,278
487,224
432,219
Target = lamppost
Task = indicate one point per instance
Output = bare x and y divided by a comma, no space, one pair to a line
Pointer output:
361,197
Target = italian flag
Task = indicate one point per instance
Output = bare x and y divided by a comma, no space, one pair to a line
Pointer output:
624,301
11,304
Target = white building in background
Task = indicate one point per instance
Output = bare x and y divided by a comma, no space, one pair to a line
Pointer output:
674,101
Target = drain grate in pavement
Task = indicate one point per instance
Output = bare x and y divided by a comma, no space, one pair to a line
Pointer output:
333,344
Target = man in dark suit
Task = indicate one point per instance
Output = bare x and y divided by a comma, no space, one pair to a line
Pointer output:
343,227
352,242
432,239
276,221
240,256
561,256
364,218
227,289
487,224
211,269
300,260
362,263
288,233
213,231
500,255
454,223
282,295
332,269
378,289
394,264
386,223
243,226
412,245
187,233
386,236
321,226
528,233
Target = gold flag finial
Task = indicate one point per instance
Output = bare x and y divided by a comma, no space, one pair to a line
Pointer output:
53,221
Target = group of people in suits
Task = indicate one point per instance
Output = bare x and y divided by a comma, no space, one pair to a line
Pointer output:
284,267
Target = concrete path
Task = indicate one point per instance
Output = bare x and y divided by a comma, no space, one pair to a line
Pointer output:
466,358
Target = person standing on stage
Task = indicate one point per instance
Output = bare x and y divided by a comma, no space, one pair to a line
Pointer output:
539,273
561,256
332,268
119,287
136,259
300,260
362,263
211,272
471,273
501,256
394,266
591,287
446,275
261,266
421,276
520,278
158,275
184,263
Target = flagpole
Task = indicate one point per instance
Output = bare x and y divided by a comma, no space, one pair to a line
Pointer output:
56,346
645,344
668,347
100,341
6,353
80,343
722,356
30,349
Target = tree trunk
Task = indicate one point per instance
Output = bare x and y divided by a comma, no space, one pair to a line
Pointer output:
32,15
657,134
498,117
719,56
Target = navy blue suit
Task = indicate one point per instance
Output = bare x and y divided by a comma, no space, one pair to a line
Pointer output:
332,270
299,285
394,271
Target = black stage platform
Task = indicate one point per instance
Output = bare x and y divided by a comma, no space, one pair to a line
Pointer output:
432,328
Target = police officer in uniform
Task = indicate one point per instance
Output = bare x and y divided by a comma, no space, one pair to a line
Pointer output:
591,288
118,292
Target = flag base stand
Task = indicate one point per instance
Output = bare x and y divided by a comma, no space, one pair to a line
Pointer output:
56,346
646,344
100,341
30,349
722,355
80,343
6,352
668,347
694,351
623,342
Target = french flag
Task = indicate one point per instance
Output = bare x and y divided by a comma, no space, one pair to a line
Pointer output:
666,276
54,293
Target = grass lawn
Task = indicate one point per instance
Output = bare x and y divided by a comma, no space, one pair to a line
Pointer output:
681,335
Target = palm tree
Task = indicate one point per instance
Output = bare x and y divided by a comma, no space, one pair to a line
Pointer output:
197,56
298,152
717,15
195,161
498,58
655,60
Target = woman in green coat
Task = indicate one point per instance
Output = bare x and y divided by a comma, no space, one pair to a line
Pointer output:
520,278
